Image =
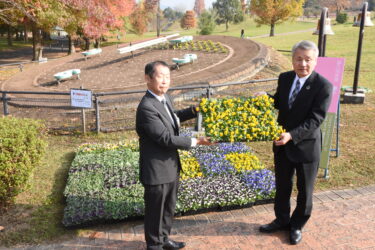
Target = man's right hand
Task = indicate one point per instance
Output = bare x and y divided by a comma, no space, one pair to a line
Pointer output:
204,141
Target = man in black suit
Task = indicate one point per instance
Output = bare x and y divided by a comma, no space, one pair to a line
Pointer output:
157,126
302,98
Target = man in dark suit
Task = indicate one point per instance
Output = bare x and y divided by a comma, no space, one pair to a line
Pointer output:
302,98
157,126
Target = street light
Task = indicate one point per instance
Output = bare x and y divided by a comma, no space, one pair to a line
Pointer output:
325,23
361,22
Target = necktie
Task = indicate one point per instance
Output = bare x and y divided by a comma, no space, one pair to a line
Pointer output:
294,94
168,111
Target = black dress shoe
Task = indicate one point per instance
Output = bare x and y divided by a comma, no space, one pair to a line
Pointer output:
172,245
295,236
273,227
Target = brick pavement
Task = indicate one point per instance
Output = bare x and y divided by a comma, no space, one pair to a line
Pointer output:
342,219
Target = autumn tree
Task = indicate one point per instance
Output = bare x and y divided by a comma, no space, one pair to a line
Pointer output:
273,12
188,20
228,11
140,17
94,18
337,5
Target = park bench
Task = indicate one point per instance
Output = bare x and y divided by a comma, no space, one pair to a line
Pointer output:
188,58
91,52
67,74
182,39
134,47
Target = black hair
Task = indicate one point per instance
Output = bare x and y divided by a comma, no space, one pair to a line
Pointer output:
150,67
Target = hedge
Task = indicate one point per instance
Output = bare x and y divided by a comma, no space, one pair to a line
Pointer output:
22,146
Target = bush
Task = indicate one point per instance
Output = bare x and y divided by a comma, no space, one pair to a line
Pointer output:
342,17
206,23
22,146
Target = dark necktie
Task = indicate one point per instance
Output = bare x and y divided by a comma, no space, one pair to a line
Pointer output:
294,94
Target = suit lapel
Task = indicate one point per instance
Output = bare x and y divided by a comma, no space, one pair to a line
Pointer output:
160,107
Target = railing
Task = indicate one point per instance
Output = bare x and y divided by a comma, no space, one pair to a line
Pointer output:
116,110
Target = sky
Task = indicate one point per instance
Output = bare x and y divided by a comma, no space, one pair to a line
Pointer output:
184,4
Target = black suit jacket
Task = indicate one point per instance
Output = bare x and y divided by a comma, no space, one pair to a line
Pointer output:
303,120
159,140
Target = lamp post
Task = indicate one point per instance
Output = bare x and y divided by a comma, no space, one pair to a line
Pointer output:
358,96
323,29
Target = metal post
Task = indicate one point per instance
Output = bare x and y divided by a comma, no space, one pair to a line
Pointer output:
338,130
97,115
359,50
83,118
5,104
321,42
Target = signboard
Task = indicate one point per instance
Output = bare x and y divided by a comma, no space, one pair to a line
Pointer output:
332,69
80,98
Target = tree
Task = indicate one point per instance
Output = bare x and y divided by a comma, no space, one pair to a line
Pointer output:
206,23
312,8
199,7
272,12
371,5
228,11
140,18
188,20
337,5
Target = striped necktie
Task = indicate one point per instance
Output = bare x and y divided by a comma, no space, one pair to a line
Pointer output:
294,94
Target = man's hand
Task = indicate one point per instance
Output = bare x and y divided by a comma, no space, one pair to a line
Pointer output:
204,141
283,139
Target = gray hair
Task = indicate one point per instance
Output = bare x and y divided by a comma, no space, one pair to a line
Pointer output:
305,45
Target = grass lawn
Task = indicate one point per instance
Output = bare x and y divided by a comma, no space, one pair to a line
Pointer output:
37,215
16,44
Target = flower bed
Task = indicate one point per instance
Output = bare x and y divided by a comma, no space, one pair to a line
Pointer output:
103,181
240,119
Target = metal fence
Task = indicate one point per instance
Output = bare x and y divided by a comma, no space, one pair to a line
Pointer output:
113,111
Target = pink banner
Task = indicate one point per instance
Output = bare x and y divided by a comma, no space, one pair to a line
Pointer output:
332,68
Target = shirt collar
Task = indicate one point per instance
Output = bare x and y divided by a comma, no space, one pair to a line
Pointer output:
160,98
302,80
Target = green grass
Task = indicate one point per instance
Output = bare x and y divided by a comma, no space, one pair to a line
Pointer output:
36,216
16,44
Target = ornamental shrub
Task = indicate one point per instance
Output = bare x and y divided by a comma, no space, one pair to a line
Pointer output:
22,146
342,17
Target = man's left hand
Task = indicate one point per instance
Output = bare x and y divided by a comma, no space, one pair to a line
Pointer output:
283,139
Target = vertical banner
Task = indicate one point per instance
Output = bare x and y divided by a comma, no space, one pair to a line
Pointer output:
332,69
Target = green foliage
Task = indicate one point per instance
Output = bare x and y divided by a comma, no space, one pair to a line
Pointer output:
342,17
206,23
272,12
228,11
21,148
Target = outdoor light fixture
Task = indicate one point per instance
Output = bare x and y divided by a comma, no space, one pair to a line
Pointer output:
351,96
368,21
325,23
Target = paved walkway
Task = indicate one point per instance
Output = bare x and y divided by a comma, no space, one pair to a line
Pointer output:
343,219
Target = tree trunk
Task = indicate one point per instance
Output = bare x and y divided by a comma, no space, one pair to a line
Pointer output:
272,31
97,43
9,36
37,43
87,43
25,32
226,26
72,49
